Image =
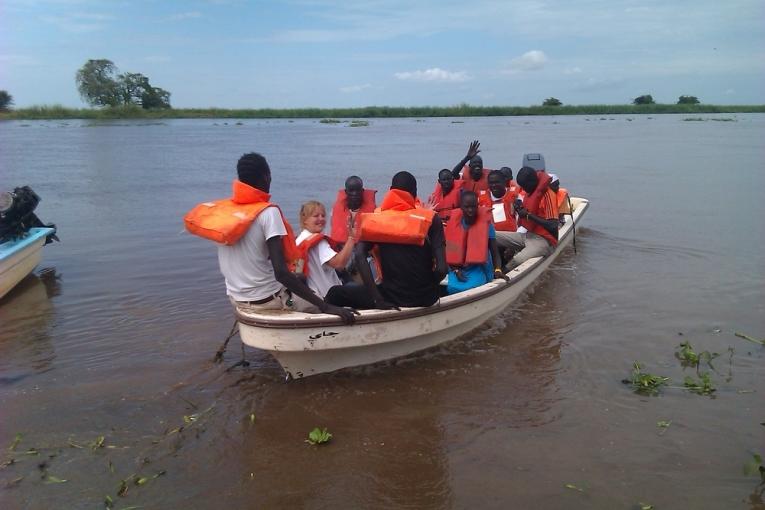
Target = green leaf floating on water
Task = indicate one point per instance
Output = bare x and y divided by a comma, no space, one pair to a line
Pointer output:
754,467
318,436
573,487
54,479
16,441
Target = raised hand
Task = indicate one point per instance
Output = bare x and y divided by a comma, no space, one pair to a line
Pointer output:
473,150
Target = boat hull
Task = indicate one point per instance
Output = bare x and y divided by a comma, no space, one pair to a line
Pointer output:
19,258
307,344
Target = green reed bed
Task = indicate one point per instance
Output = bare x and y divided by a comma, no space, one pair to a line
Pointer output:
46,112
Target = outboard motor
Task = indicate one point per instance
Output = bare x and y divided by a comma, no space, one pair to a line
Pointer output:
534,160
17,214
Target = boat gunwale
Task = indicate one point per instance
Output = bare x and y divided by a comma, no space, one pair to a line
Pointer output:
408,313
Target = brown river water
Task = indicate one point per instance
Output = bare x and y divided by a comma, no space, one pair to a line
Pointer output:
114,334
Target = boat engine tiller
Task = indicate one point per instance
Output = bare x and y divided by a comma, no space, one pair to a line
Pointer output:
17,214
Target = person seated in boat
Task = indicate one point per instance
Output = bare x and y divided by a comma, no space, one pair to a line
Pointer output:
510,184
471,248
255,244
350,201
318,260
410,247
537,233
446,196
562,198
474,175
500,200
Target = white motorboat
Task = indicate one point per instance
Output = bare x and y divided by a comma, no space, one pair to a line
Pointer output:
309,344
19,257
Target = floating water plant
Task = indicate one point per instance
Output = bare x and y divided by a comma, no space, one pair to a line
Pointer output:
663,425
644,382
747,337
359,123
703,386
573,487
330,121
689,358
318,436
754,467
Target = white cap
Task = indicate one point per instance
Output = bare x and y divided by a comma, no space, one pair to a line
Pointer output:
553,178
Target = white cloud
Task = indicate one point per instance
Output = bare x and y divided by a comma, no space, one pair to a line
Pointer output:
355,88
186,15
572,70
434,74
533,60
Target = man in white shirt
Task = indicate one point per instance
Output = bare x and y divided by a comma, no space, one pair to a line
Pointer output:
254,267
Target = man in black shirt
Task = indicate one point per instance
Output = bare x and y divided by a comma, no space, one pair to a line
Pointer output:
411,273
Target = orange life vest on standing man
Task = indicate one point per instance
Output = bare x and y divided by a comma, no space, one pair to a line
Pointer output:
228,220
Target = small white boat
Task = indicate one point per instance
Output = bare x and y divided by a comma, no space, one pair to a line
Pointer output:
309,344
18,258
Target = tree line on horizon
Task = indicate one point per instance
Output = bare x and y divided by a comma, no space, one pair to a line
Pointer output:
644,99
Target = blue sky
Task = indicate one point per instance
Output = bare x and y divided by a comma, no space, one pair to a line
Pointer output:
327,53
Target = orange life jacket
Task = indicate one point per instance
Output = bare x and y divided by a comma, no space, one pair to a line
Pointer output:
225,221
398,220
469,184
445,204
340,214
514,189
305,246
486,199
562,199
466,246
541,202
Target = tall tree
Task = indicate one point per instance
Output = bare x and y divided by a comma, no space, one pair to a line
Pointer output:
688,100
100,85
6,100
552,101
646,99
97,83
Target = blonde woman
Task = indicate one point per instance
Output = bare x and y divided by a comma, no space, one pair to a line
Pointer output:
319,259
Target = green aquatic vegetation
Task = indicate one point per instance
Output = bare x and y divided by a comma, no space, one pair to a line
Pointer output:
573,487
703,386
359,123
645,506
318,436
643,382
689,358
751,339
16,440
330,121
693,119
754,467
98,443
53,479
663,425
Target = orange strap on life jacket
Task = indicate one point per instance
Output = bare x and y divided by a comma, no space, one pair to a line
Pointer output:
467,246
397,220
305,246
228,220
340,214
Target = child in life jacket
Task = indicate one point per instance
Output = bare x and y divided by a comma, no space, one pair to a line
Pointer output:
471,247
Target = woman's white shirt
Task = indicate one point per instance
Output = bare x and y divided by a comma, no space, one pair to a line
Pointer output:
320,276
